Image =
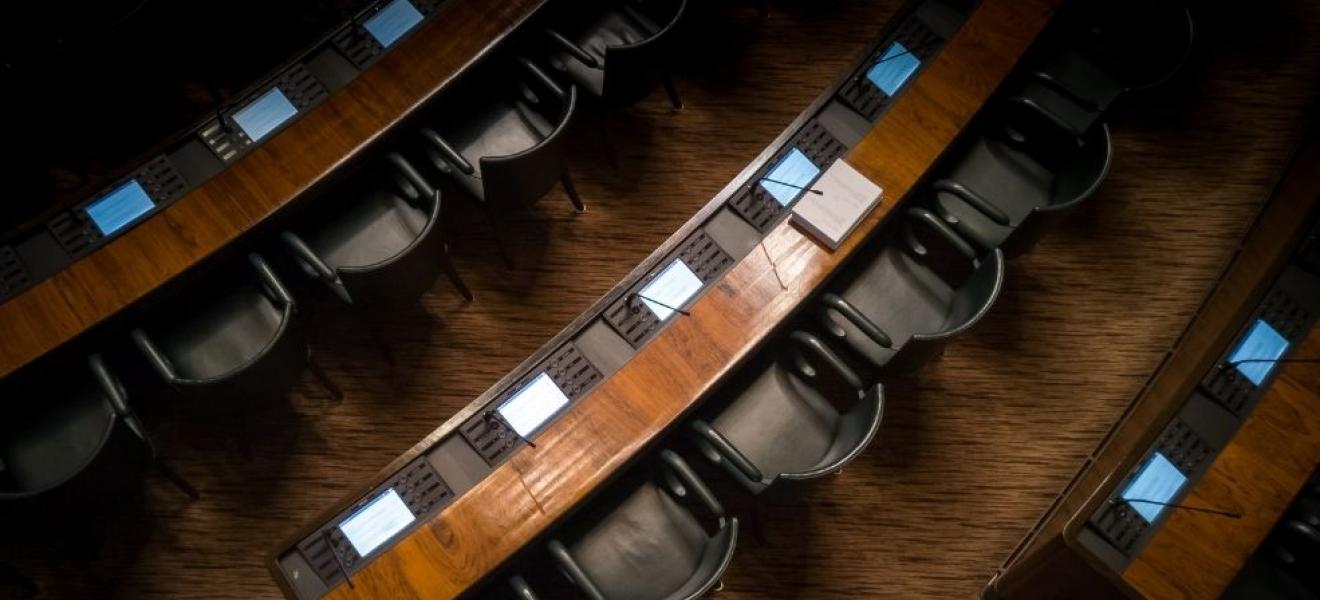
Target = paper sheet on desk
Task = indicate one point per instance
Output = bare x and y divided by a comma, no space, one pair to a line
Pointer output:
845,198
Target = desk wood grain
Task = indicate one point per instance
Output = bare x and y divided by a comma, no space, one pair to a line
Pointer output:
249,192
1196,555
613,424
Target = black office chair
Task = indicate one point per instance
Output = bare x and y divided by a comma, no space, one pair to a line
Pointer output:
1009,187
904,304
621,55
513,149
382,247
61,431
780,427
1108,49
236,340
650,546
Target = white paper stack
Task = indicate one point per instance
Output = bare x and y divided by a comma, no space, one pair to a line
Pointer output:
845,198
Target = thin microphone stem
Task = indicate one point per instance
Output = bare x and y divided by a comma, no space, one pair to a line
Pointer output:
1244,361
330,543
662,304
1213,511
796,187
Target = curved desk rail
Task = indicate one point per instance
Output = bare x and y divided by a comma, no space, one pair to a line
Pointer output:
254,185
624,379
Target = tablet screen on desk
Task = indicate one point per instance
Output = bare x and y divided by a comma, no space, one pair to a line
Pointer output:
790,177
377,522
390,23
671,289
121,206
1158,481
530,407
265,114
1257,353
893,69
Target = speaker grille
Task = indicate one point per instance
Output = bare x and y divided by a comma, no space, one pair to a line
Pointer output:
867,99
162,181
74,232
13,275
302,89
761,209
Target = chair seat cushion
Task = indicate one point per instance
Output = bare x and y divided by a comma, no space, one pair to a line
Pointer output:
900,295
220,337
368,232
648,547
50,444
781,424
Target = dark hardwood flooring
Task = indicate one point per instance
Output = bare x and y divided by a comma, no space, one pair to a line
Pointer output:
973,449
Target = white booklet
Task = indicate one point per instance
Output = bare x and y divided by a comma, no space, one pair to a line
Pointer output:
845,197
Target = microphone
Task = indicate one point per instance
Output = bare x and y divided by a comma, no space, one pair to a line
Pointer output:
637,309
1244,361
882,59
787,184
339,562
493,419
1213,511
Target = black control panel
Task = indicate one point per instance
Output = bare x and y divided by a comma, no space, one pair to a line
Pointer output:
629,315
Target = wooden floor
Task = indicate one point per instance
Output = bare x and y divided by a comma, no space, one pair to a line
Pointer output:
972,450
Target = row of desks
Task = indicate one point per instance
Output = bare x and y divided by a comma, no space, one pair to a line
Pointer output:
619,419
259,186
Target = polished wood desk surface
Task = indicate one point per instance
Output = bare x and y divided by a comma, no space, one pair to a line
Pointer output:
612,425
247,193
1196,555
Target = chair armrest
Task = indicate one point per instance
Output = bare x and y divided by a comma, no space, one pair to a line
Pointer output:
691,482
577,52
975,200
154,355
521,589
304,253
574,570
542,78
1053,118
922,216
448,152
114,391
721,445
805,341
270,282
843,307
409,173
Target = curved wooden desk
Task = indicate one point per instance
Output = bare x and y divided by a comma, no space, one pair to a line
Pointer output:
249,192
616,421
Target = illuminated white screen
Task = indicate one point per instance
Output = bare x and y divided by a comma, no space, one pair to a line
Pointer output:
1255,356
375,523
530,407
788,179
671,289
390,23
1158,481
119,207
893,69
265,114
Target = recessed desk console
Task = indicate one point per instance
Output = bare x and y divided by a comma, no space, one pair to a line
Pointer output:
528,451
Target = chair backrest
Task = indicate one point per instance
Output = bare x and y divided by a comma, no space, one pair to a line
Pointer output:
270,371
523,178
406,276
632,71
1075,180
47,445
